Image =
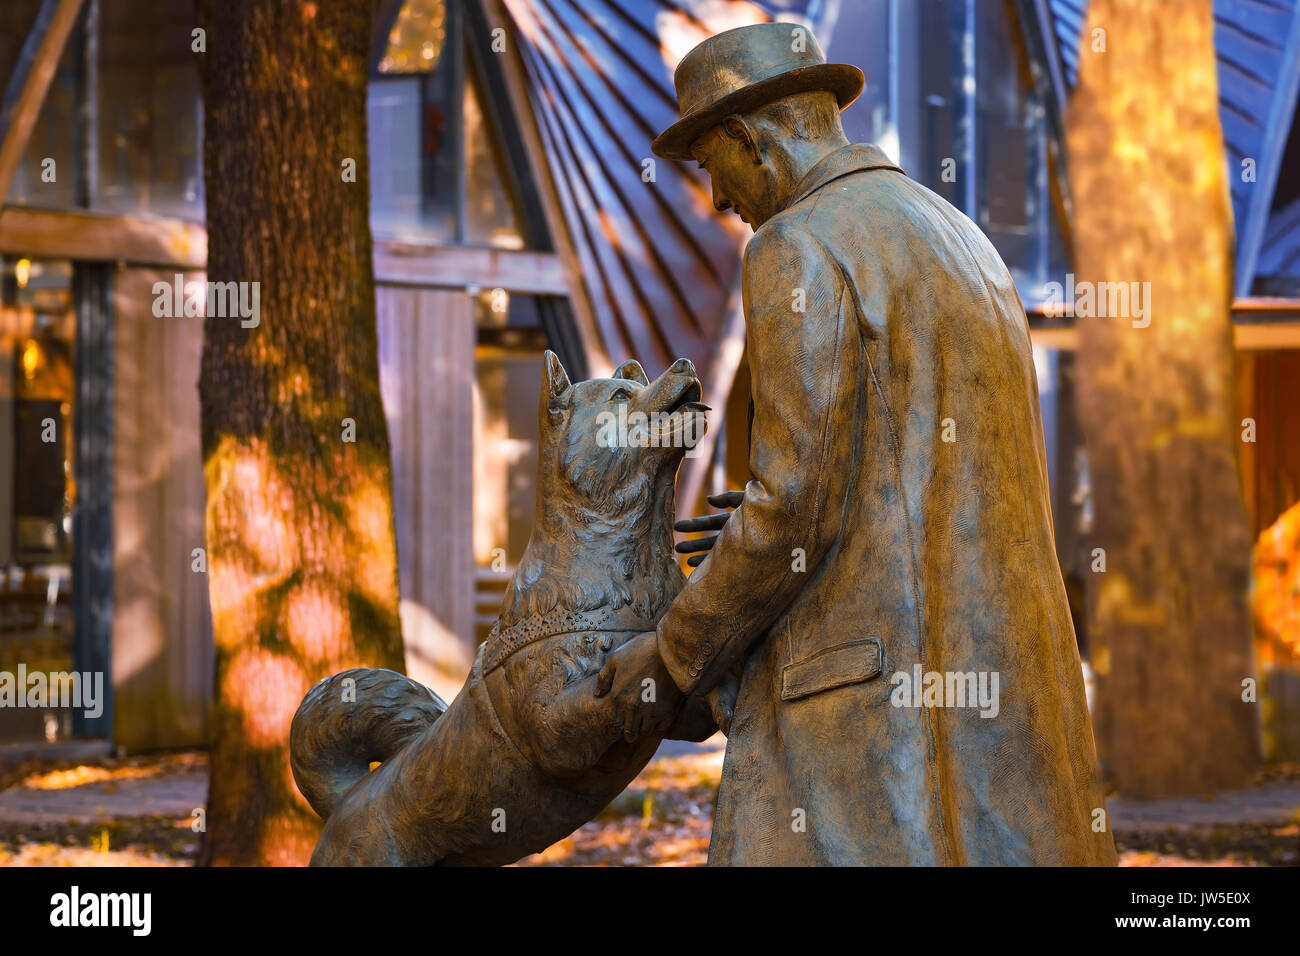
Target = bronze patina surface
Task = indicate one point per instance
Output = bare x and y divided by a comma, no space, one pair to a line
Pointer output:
887,583
526,753
893,549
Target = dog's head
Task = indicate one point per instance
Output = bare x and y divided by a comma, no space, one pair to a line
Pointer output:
608,451
611,446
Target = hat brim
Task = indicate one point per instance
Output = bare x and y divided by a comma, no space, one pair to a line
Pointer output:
842,79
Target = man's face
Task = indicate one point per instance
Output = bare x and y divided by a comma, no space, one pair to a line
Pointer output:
739,183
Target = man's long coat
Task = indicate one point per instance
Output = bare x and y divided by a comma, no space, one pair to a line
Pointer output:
897,523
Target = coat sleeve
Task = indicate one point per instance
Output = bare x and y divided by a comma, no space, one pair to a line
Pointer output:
804,368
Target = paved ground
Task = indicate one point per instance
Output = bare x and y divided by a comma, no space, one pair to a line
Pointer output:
138,812
1276,802
96,794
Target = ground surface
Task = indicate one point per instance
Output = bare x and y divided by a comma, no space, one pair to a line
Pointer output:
139,811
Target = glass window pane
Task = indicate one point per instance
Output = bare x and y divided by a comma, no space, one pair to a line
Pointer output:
37,493
38,329
37,181
414,117
16,18
1010,151
941,100
858,33
416,37
150,110
490,210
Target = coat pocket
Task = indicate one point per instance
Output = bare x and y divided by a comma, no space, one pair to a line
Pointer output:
849,663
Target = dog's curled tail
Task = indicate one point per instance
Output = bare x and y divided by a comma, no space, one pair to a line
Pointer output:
349,720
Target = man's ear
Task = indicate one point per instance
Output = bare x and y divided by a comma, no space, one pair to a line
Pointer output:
737,127
632,371
555,383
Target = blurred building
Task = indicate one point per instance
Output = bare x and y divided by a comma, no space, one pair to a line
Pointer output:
516,207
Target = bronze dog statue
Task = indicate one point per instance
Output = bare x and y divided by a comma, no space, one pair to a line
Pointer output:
526,753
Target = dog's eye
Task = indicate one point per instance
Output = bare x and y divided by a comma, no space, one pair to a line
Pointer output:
620,395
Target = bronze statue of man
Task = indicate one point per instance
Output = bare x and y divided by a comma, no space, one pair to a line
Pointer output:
911,688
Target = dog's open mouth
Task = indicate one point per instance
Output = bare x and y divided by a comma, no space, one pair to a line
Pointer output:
689,399
682,423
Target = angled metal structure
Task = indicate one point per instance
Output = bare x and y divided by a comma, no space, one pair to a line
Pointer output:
1258,46
660,269
657,261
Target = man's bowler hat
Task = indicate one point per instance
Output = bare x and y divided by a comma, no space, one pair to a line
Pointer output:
745,68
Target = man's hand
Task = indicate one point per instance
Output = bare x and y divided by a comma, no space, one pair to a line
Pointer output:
640,706
728,499
722,702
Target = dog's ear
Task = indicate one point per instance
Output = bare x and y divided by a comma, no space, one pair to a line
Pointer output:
632,371
555,383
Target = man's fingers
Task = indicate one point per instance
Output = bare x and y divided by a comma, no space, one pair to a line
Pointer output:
605,679
696,561
702,523
696,544
727,499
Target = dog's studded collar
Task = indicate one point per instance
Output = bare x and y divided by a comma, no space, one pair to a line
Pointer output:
500,644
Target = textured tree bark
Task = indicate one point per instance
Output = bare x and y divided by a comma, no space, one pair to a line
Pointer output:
1168,618
302,558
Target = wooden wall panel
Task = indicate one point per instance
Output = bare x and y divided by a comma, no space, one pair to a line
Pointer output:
162,630
1269,392
426,359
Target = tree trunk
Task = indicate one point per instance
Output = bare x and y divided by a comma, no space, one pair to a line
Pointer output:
1168,617
301,552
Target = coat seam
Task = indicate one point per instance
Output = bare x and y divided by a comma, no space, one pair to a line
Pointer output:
916,597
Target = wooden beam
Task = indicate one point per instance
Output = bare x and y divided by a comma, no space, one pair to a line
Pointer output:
1265,309
175,243
30,82
1263,336
460,267
1257,325
80,235
1246,337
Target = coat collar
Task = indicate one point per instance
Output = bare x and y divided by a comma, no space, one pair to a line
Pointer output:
848,159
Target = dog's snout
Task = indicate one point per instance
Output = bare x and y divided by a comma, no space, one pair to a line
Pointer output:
684,365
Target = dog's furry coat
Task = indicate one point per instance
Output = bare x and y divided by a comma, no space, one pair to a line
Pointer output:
526,753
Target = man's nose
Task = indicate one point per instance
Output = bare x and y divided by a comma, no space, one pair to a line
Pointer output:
720,202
